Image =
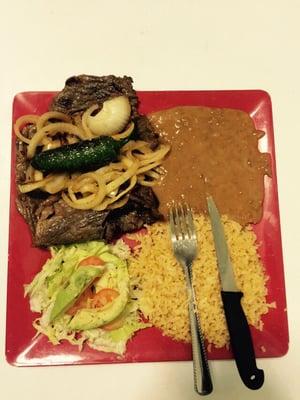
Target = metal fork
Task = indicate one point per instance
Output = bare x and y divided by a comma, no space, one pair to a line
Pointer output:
184,242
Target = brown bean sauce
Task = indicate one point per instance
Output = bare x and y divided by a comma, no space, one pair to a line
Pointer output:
214,152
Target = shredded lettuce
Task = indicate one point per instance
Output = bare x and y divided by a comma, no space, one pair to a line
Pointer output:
115,341
57,271
55,276
58,330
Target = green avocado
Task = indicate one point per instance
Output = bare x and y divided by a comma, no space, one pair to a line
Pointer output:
90,318
81,278
94,318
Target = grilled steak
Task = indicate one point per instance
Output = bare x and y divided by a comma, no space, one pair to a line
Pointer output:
81,92
67,225
51,220
145,131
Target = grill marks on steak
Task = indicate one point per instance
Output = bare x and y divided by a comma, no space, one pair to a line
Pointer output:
51,220
69,226
81,92
27,205
66,225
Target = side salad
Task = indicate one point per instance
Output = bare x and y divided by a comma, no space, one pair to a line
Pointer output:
84,296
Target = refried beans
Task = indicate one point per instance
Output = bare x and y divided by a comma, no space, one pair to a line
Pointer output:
214,152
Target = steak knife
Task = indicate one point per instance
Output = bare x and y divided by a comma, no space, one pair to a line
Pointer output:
239,331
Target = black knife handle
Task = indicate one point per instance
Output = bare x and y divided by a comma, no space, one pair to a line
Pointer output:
241,341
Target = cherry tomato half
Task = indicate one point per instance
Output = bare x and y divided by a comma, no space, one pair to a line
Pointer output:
103,297
92,260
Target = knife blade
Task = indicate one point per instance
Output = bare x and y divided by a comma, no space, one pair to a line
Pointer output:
239,331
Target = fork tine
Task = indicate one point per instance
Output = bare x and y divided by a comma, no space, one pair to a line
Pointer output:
190,222
177,221
184,223
181,222
172,224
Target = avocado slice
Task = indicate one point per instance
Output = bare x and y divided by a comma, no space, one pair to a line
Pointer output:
90,318
78,282
94,318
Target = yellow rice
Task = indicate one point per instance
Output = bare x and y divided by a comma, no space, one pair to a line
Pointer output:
161,286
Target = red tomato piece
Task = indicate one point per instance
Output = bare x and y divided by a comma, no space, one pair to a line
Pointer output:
103,297
81,302
88,299
92,260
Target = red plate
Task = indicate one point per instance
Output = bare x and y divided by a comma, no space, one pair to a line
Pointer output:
149,344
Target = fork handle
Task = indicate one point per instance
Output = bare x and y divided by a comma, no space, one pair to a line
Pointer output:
202,378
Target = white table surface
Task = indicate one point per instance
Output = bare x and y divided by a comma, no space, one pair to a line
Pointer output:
162,45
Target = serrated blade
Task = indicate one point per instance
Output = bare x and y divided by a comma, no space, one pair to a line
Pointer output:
225,267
